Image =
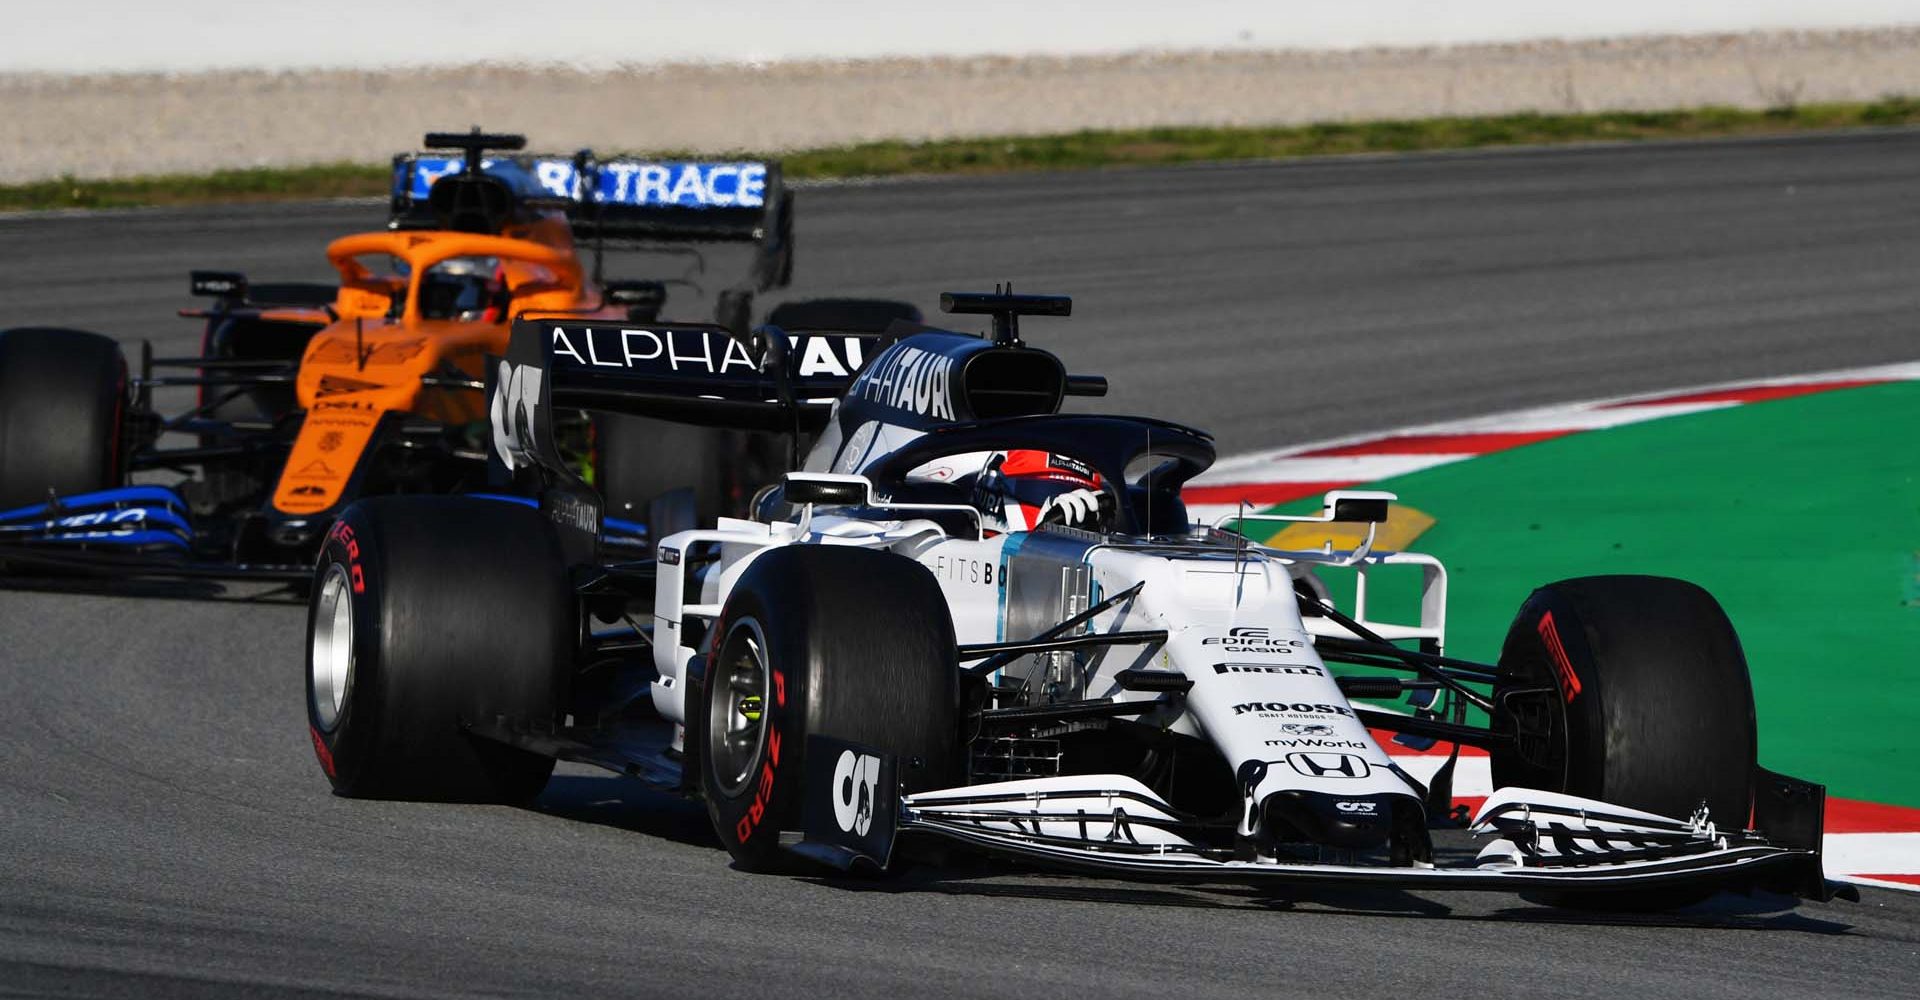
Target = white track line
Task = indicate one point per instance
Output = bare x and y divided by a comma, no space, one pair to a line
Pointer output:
1590,414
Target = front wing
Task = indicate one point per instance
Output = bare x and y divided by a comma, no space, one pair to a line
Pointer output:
146,533
1112,825
128,533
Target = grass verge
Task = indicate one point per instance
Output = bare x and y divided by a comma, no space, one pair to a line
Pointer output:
1077,150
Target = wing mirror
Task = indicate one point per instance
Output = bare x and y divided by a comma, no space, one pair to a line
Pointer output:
643,300
823,488
1357,506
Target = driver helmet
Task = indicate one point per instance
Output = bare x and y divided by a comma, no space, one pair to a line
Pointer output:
465,288
1016,490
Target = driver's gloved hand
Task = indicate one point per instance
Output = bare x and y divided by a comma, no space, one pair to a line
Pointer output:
1078,509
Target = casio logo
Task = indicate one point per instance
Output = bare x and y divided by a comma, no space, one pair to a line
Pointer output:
1253,639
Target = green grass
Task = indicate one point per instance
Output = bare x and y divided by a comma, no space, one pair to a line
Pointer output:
334,180
1073,151
1745,501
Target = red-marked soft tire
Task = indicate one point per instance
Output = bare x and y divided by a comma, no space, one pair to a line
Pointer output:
430,615
1632,690
830,641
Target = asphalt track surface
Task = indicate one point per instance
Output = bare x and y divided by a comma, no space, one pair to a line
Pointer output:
164,829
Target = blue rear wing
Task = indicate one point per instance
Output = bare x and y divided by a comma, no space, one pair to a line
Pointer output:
617,183
625,199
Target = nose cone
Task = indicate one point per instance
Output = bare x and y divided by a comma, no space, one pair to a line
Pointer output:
1356,822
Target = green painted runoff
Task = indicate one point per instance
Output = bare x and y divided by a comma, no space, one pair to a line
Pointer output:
1801,515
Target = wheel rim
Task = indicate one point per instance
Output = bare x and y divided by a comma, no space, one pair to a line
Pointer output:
331,672
737,708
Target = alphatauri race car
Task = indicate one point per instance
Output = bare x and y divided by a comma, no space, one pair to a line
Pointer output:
971,620
312,396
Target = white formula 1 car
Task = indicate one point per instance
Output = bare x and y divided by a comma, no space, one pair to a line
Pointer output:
883,659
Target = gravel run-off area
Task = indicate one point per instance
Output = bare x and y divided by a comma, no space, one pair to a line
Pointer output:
116,125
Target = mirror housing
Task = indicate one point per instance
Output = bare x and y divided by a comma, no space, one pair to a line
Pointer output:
217,285
643,300
823,488
1358,506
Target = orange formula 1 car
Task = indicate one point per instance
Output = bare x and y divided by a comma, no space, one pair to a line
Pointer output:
311,396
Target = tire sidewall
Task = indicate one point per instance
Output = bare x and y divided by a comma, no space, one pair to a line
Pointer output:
344,749
444,638
1577,707
859,647
750,819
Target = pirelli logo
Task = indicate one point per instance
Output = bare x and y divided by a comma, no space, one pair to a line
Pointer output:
1262,668
1557,655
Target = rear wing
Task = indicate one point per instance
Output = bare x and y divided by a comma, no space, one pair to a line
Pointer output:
627,200
694,373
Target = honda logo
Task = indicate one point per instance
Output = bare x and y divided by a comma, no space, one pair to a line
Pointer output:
1329,765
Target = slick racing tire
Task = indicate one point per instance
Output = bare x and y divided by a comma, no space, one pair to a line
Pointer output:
819,640
1631,690
638,460
431,615
63,400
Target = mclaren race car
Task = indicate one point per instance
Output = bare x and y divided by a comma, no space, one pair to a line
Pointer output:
312,396
974,621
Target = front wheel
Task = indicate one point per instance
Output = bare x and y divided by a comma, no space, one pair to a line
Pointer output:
1631,690
63,401
823,641
431,616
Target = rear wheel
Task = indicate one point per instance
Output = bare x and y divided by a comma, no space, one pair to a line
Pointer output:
822,641
1632,690
63,400
431,615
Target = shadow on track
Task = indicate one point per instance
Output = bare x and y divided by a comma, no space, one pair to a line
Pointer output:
617,802
159,589
1726,911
